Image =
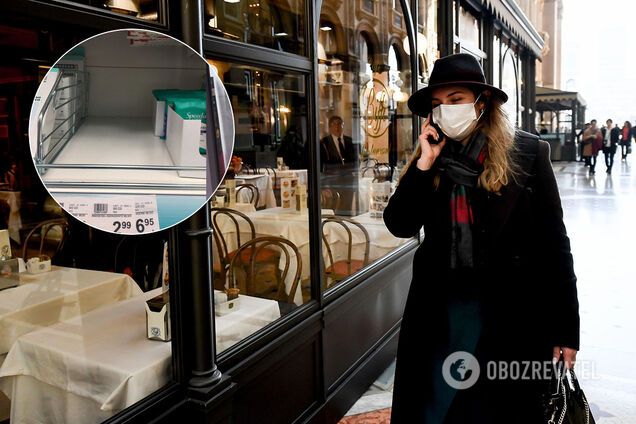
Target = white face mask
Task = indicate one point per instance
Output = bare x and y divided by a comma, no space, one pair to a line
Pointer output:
457,121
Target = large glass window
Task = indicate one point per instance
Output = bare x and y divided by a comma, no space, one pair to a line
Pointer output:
71,297
261,254
510,84
467,32
427,48
366,132
276,24
496,61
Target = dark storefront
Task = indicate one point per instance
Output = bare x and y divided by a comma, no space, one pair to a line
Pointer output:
296,72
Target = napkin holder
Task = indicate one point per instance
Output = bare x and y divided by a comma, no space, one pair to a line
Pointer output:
9,273
227,302
158,317
38,265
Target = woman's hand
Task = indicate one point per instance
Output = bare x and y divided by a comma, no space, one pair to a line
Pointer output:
569,355
429,152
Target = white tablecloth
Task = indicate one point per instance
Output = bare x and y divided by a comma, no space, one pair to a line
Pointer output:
15,221
88,368
45,299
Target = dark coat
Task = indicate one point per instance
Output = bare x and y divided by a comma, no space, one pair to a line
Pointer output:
615,134
525,280
329,154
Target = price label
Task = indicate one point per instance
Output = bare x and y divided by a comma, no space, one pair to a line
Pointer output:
117,214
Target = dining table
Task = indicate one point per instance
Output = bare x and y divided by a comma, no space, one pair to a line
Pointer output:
87,368
41,300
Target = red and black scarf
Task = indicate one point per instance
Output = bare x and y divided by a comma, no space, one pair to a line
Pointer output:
462,164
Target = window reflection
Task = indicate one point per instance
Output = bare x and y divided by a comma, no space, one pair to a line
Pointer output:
148,10
269,23
364,83
261,258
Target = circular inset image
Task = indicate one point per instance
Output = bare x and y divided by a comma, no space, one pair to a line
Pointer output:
131,131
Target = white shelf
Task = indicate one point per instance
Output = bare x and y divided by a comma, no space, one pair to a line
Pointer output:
118,141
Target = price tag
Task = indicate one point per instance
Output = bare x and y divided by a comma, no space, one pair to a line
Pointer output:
117,214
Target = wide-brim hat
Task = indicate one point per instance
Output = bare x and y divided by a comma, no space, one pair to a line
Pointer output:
457,69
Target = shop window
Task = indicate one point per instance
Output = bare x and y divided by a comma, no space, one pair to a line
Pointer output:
261,261
467,32
277,24
496,61
510,84
79,303
366,136
426,37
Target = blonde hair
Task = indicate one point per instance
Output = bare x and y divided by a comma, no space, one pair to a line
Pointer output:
499,167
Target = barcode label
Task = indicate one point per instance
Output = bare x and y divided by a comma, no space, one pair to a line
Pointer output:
100,208
117,214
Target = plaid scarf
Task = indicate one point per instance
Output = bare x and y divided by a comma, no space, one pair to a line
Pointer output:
462,164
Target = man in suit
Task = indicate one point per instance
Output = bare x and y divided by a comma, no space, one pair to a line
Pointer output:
337,148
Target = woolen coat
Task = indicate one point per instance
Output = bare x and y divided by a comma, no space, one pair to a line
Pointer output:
523,277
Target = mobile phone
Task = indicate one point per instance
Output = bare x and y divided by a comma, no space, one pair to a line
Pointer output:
440,135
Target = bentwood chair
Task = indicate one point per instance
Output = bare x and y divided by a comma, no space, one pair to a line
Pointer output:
252,193
338,270
255,276
329,198
229,239
46,238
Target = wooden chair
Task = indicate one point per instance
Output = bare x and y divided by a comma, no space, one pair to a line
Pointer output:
253,193
329,198
226,253
50,242
264,278
339,270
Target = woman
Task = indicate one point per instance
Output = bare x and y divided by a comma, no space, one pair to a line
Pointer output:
593,139
626,140
494,275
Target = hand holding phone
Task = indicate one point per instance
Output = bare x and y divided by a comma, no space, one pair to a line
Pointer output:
430,149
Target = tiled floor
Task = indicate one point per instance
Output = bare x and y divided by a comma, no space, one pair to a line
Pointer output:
600,215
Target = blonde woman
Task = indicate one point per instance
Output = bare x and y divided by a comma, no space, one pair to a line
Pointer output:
494,275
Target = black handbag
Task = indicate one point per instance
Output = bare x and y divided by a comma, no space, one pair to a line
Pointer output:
565,402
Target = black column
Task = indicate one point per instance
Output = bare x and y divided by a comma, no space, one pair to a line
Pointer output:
194,258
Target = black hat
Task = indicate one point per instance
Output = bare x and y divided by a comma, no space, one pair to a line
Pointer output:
457,69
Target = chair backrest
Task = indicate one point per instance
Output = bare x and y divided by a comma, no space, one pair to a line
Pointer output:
253,278
254,194
329,198
50,242
234,218
347,224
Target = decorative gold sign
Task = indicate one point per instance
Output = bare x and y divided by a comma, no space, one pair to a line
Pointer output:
374,104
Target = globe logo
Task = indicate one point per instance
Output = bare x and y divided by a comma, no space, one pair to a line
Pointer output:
460,370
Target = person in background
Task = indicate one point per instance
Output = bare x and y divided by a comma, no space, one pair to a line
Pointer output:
611,136
494,275
626,140
592,142
9,177
292,149
579,141
337,148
